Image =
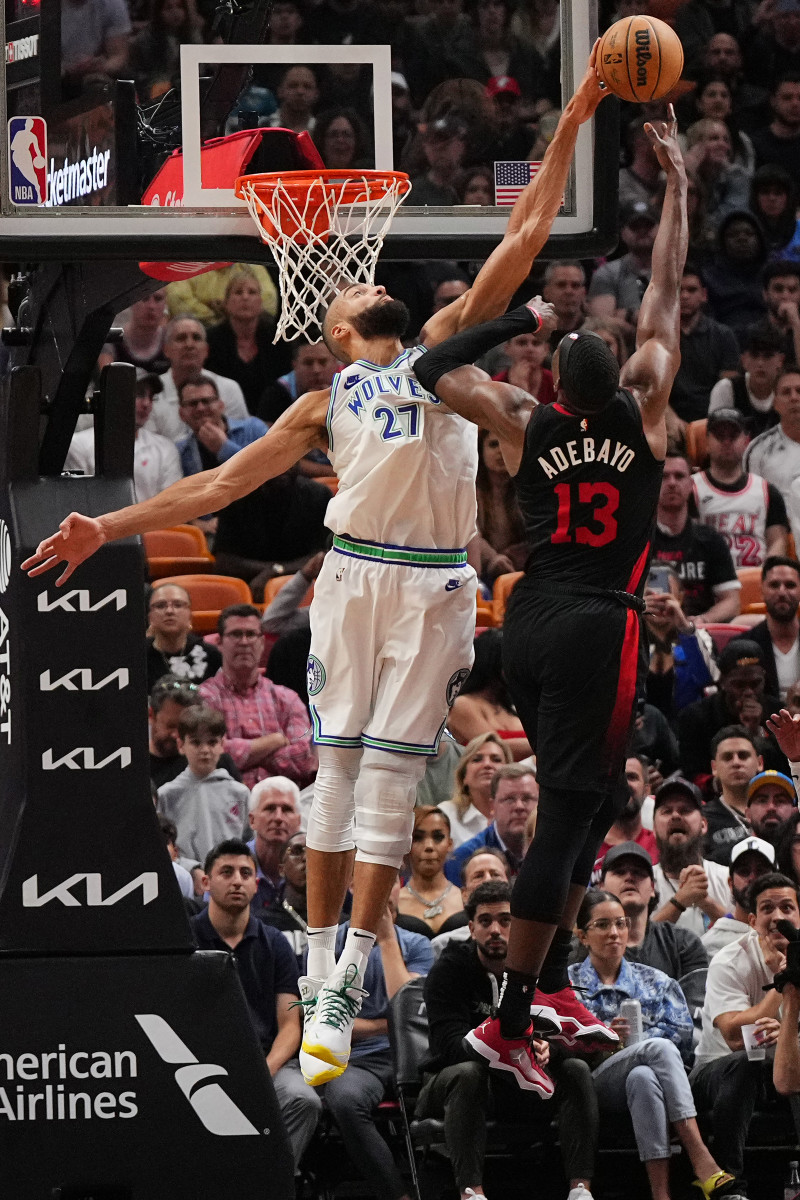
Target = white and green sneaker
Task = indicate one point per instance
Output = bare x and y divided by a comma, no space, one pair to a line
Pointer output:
325,1050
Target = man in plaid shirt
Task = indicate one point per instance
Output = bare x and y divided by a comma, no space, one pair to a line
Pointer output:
268,730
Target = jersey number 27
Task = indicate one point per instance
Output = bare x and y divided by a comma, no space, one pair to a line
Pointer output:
606,502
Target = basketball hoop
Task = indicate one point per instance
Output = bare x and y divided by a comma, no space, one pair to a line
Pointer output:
325,230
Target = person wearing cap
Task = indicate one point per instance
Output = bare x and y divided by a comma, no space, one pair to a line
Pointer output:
156,461
444,143
725,1082
771,803
735,759
692,891
741,699
709,351
617,287
752,391
750,859
779,634
513,139
748,512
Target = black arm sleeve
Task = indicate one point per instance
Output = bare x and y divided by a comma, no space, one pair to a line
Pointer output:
470,344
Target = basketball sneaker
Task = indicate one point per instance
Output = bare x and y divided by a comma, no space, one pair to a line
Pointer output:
325,1050
580,1028
514,1055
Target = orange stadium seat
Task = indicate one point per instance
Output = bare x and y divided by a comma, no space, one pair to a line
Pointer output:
484,614
329,481
209,595
750,595
182,550
273,586
696,442
503,587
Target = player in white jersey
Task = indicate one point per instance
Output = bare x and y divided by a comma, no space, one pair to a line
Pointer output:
394,604
748,512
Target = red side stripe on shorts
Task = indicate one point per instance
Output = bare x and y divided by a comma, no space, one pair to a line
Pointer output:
620,723
636,573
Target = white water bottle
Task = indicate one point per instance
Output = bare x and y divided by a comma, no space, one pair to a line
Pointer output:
631,1010
792,1189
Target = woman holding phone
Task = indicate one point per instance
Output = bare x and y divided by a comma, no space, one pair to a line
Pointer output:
681,655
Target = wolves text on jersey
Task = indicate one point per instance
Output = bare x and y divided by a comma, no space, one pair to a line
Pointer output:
385,385
583,450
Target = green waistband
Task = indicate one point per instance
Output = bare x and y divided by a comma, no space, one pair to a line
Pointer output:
397,554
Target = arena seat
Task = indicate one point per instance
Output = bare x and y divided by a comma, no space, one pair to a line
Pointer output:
722,633
696,442
503,587
329,481
273,586
209,595
484,614
750,595
182,550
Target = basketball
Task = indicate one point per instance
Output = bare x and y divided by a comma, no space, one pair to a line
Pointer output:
640,58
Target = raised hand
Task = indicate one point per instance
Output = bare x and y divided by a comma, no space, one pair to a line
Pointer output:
663,136
786,731
78,539
547,315
590,91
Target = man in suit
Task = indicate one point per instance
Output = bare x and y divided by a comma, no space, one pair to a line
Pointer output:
779,635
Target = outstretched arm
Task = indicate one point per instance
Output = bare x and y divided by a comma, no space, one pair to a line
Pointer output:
529,224
298,430
651,370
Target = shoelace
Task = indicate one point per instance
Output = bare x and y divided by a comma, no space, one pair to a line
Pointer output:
337,1007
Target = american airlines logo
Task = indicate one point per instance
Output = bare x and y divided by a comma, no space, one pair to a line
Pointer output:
147,881
212,1105
80,597
87,754
85,680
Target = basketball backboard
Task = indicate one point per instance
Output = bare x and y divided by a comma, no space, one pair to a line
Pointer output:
94,146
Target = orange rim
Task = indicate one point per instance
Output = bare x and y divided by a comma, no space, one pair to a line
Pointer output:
298,183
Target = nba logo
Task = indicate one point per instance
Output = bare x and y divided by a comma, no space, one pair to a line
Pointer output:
27,156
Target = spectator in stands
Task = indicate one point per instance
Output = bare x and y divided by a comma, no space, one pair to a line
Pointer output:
781,295
699,554
735,759
438,43
501,545
460,991
156,463
722,55
724,1080
778,144
496,52
342,139
168,700
708,350
274,818
313,368
514,137
691,891
537,25
272,531
203,296
713,101
681,656
773,200
428,894
443,146
286,612
703,21
186,347
779,634
268,974
184,877
750,859
613,333
771,804
268,730
628,875
525,370
172,648
298,92
155,53
95,37
732,274
617,287
628,826
240,346
484,703
213,438
752,392
205,803
142,341
788,848
746,510
485,864
565,288
639,180
710,155
449,290
290,913
472,807
740,700
515,794
775,454
646,1077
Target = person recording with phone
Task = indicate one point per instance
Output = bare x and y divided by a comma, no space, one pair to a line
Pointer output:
681,655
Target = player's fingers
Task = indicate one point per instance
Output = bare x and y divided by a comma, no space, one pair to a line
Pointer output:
43,566
64,576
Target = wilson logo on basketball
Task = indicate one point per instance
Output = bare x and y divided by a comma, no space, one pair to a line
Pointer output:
643,55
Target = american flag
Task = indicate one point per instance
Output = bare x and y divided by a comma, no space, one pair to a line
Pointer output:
510,178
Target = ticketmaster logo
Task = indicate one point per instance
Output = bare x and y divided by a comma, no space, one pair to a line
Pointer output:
213,1106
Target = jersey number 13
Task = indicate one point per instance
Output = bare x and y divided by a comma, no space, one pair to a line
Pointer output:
605,498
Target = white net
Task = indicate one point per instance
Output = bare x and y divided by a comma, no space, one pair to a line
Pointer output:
323,236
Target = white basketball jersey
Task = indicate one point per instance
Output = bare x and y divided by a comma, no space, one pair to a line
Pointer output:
741,517
406,463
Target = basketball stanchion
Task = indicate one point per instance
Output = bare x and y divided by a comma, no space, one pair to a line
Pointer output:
129,1068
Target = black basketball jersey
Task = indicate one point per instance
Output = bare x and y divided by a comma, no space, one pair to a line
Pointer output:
588,489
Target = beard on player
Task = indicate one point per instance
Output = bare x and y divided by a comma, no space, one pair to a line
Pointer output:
385,318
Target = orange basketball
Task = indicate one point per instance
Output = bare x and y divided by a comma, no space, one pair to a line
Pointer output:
640,58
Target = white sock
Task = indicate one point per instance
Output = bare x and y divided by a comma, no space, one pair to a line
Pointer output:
321,951
356,951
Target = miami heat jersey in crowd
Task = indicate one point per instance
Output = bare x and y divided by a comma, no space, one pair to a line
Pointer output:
742,513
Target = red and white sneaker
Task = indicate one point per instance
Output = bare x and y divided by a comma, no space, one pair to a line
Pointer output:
580,1028
514,1055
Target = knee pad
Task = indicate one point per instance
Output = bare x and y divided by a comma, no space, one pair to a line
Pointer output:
384,804
330,824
